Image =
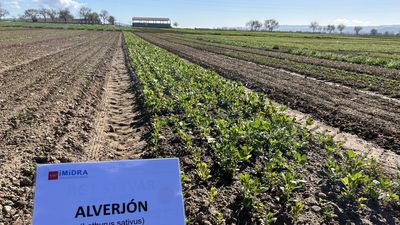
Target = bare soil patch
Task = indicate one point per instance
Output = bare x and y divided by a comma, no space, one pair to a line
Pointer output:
54,109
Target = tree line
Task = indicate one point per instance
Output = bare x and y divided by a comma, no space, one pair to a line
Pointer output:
86,15
272,24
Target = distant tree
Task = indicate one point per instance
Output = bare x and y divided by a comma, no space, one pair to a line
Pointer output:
104,16
175,24
374,32
31,14
84,13
271,24
65,14
254,25
44,13
387,33
3,11
314,26
94,18
341,27
357,29
52,13
111,20
330,28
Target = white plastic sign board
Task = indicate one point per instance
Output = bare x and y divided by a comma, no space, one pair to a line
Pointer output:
109,193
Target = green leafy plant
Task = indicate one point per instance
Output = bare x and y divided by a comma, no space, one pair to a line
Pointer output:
203,171
270,218
297,208
212,194
251,188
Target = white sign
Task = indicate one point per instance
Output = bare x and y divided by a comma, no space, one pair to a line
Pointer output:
109,193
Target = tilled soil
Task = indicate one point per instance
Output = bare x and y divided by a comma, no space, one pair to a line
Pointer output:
372,117
17,53
60,107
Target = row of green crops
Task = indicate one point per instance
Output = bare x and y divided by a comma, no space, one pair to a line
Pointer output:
381,84
230,134
375,51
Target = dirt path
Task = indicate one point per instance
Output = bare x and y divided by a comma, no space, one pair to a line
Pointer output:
62,112
117,132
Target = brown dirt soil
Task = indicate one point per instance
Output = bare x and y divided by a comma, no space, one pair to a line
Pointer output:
62,112
27,51
371,117
27,36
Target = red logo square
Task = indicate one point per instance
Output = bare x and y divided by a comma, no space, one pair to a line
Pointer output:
53,175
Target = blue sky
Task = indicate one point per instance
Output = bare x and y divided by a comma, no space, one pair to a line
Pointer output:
232,13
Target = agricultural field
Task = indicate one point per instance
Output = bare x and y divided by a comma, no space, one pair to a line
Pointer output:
98,27
267,132
357,98
65,96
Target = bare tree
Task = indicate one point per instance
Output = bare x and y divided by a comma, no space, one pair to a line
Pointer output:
94,18
314,26
271,24
104,15
258,25
31,14
374,32
52,13
254,25
176,24
341,27
43,12
330,28
357,29
3,11
65,15
111,20
84,13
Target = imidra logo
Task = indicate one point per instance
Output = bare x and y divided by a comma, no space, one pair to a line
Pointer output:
64,174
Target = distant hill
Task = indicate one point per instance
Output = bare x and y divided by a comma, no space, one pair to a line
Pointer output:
392,29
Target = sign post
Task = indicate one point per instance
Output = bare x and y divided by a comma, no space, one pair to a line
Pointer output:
109,193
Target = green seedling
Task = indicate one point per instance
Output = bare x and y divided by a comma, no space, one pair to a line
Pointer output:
203,171
251,188
270,218
212,194
297,208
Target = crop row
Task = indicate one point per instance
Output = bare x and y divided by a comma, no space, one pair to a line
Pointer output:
380,84
230,140
350,67
341,50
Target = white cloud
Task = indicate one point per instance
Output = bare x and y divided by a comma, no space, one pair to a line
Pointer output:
352,22
14,3
60,3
